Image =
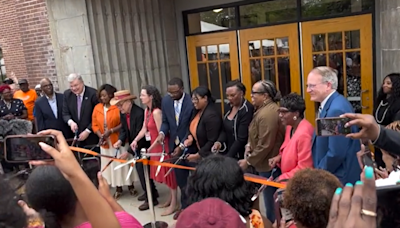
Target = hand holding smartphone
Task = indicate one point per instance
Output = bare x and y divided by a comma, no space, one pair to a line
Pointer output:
25,148
332,126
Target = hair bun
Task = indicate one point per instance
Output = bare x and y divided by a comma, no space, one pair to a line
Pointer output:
278,96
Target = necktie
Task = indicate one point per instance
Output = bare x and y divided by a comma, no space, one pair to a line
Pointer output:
177,113
319,111
79,105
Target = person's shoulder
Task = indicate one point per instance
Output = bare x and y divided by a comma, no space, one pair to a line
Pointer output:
67,92
40,100
91,89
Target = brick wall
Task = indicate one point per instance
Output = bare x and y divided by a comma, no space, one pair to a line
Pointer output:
26,41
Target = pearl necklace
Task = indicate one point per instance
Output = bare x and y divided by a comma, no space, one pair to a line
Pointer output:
384,113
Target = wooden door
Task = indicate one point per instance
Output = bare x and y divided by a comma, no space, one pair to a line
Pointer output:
271,53
344,44
213,61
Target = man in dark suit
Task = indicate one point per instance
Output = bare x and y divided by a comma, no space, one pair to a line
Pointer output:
79,102
48,110
176,109
336,154
132,118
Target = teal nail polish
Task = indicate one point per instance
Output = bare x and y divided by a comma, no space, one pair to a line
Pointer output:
349,185
369,172
359,183
338,191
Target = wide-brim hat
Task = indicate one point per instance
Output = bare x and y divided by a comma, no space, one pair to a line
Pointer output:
122,95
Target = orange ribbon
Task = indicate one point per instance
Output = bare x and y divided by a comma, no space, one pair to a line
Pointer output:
169,165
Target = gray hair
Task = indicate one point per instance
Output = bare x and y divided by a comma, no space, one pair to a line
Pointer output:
328,74
74,76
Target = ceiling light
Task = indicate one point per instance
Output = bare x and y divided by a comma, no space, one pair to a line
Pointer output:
218,10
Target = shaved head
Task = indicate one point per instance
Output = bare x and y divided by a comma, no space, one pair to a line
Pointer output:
47,87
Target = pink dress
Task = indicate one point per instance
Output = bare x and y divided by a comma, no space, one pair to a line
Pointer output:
169,180
125,220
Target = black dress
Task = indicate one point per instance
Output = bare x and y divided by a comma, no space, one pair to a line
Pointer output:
385,114
15,107
229,131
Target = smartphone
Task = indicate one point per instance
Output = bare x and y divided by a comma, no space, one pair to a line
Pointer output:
334,126
281,212
91,166
388,206
25,148
366,158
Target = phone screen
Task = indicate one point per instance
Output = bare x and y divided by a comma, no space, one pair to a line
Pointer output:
332,126
91,166
388,206
26,148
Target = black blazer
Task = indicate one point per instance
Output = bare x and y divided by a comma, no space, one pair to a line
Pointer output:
45,118
208,129
388,140
129,134
240,130
69,111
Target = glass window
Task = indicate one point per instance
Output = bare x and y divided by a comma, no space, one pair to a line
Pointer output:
320,8
213,20
267,12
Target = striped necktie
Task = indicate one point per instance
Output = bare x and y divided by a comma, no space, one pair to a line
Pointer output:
177,113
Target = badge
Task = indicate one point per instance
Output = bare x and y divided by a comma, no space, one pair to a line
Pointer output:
148,137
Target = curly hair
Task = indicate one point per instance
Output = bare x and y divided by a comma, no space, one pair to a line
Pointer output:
395,79
11,214
294,103
308,197
108,88
155,93
50,194
220,177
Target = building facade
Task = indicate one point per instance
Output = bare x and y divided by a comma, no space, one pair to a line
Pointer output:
130,43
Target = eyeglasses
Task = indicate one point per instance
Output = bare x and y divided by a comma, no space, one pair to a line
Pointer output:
195,99
46,86
257,92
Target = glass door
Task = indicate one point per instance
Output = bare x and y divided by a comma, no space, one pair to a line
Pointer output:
213,61
344,44
271,53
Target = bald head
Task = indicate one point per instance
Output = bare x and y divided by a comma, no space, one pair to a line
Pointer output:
47,87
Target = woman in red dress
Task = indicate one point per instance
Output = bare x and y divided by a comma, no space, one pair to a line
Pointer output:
151,97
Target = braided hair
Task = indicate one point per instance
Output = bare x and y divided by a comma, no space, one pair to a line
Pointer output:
269,87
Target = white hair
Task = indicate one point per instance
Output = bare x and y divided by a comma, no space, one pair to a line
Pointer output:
74,76
328,74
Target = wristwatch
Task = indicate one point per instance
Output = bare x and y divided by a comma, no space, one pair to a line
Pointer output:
182,146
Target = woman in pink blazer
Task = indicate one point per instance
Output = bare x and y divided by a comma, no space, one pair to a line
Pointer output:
295,152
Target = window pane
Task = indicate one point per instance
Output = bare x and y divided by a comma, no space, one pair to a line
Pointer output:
321,8
267,12
213,20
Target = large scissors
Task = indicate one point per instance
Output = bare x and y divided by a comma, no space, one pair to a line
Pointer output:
131,162
263,187
161,158
111,161
76,137
182,157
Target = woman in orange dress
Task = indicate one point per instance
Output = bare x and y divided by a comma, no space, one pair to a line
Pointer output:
151,97
106,124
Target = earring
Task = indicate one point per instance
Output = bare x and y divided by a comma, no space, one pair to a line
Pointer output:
294,117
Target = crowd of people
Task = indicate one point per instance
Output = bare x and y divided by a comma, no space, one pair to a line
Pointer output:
267,136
